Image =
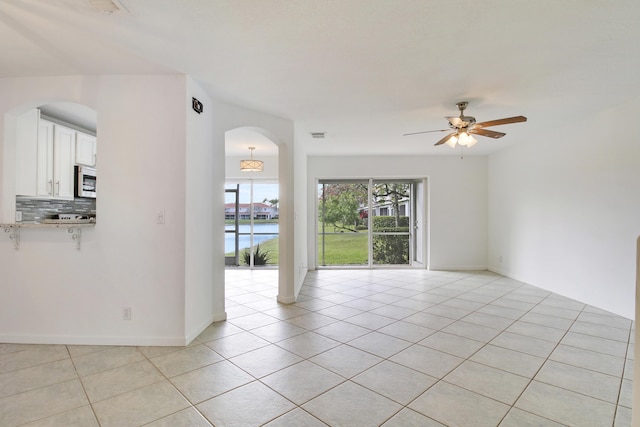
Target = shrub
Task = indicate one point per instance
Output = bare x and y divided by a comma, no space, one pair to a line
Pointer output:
260,257
391,249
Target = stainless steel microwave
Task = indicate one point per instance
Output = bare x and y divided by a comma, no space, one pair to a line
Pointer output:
85,182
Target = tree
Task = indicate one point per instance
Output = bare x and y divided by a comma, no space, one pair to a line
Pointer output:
272,202
341,211
392,193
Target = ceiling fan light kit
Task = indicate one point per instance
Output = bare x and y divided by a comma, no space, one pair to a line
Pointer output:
464,126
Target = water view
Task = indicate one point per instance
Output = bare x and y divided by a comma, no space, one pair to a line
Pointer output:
261,233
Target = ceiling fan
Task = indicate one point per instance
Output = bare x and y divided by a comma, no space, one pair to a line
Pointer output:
465,126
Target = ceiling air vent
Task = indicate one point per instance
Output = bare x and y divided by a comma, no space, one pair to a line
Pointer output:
107,7
318,135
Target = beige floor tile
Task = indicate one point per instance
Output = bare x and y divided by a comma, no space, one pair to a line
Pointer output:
308,344
185,360
410,418
276,332
218,330
110,358
250,405
491,382
253,321
353,405
297,418
265,360
236,344
312,321
565,407
524,344
302,382
40,403
345,360
394,381
35,377
587,379
580,380
428,361
81,417
187,417
381,345
455,406
407,331
597,344
211,381
106,384
587,359
519,418
140,406
81,350
452,344
31,356
342,331
509,360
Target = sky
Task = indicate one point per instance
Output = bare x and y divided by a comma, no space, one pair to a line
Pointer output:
260,192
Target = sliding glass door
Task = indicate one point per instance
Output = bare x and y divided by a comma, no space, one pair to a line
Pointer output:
371,222
343,237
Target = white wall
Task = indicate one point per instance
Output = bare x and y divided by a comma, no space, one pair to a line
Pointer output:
564,210
52,292
280,132
204,266
457,200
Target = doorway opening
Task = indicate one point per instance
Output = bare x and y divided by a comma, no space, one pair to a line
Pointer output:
251,223
371,223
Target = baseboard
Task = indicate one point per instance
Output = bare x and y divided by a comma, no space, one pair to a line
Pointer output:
286,300
93,340
457,268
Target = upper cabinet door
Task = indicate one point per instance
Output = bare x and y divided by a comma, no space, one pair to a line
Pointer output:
86,150
44,168
27,152
64,144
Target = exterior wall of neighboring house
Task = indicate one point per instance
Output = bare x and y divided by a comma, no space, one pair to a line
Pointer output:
260,211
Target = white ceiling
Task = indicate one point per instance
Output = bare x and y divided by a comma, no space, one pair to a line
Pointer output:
363,71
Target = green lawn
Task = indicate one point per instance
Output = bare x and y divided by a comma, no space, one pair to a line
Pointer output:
340,249
343,249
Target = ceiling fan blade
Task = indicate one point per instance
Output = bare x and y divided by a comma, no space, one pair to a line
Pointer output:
486,132
443,140
426,131
506,121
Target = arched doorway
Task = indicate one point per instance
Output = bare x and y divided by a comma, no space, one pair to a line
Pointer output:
251,218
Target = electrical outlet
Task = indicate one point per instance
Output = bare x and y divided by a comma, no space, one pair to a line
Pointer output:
126,313
160,217
18,216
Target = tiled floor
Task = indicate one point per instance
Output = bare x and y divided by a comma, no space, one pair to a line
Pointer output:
359,348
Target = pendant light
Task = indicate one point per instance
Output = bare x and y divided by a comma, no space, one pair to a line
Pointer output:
251,165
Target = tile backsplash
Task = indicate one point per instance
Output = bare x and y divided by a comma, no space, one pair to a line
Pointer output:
36,210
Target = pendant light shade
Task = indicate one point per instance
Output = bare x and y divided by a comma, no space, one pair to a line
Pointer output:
251,165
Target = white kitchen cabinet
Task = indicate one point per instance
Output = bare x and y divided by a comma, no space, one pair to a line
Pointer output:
86,149
55,161
26,152
64,146
44,159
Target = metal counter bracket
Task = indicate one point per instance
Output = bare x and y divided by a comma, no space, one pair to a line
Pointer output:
76,235
14,234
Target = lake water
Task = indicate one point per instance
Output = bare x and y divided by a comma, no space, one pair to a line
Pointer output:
244,239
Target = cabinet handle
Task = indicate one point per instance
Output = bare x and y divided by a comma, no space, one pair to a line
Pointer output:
57,188
50,191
